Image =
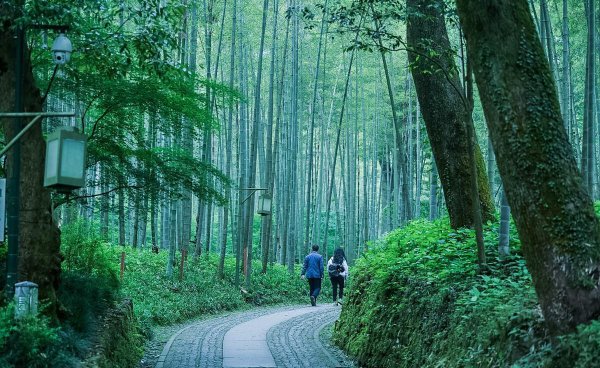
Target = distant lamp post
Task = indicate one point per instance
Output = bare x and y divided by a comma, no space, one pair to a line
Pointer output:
65,159
264,205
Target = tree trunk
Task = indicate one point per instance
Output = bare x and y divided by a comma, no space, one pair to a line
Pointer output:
444,107
121,192
433,189
337,145
267,221
503,232
307,237
38,252
587,151
553,212
400,156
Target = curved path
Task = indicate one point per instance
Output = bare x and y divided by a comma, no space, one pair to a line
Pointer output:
293,336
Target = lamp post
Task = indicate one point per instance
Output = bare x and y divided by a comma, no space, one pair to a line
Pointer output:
13,187
61,54
239,242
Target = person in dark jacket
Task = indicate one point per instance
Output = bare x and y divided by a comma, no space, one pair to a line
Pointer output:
314,272
337,267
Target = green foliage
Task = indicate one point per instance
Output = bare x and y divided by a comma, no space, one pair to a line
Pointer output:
121,340
159,299
135,92
89,281
84,252
419,301
30,342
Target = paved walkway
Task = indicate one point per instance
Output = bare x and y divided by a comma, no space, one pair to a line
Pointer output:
270,337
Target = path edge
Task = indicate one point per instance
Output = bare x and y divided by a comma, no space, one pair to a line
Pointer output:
161,359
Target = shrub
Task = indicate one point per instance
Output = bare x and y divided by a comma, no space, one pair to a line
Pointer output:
30,342
419,301
159,299
89,281
85,253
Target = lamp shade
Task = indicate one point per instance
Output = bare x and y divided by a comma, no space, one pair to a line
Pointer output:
264,205
65,159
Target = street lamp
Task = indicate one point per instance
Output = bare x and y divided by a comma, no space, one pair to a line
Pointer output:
61,49
264,205
65,159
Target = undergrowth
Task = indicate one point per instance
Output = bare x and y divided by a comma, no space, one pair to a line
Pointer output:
162,300
419,301
94,320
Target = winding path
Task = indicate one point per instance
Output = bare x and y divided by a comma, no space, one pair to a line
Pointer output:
293,336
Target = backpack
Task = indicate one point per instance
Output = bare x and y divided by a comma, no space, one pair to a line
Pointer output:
335,269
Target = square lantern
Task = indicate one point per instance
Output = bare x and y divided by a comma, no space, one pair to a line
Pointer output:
65,159
264,205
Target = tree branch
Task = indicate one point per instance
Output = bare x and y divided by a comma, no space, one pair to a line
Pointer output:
68,199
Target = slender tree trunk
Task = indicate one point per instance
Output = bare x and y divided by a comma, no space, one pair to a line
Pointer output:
172,237
433,189
267,221
312,129
254,143
104,204
504,230
122,240
477,218
553,212
228,154
293,131
337,145
587,154
400,158
136,220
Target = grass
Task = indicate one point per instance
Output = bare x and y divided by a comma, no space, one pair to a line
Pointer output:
162,300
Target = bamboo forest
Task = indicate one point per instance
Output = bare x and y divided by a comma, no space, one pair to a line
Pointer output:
299,183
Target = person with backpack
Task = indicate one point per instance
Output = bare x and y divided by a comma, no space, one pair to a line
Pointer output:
313,271
337,267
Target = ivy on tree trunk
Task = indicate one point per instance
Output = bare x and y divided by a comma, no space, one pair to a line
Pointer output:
444,109
553,212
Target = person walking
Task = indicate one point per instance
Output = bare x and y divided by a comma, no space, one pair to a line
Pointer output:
312,270
337,268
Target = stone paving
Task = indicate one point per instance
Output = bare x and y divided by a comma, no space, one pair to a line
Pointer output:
301,341
292,336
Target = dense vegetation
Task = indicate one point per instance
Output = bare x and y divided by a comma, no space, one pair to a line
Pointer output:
91,295
418,300
345,117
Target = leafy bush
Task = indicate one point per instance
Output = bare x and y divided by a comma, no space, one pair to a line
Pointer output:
85,253
159,299
419,301
30,342
89,280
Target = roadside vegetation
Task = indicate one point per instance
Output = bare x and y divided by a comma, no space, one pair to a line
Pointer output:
419,301
97,325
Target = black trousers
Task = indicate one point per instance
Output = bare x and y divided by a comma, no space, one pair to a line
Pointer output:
315,286
337,281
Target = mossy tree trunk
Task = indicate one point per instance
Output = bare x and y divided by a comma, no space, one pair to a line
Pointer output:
553,212
444,110
39,239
